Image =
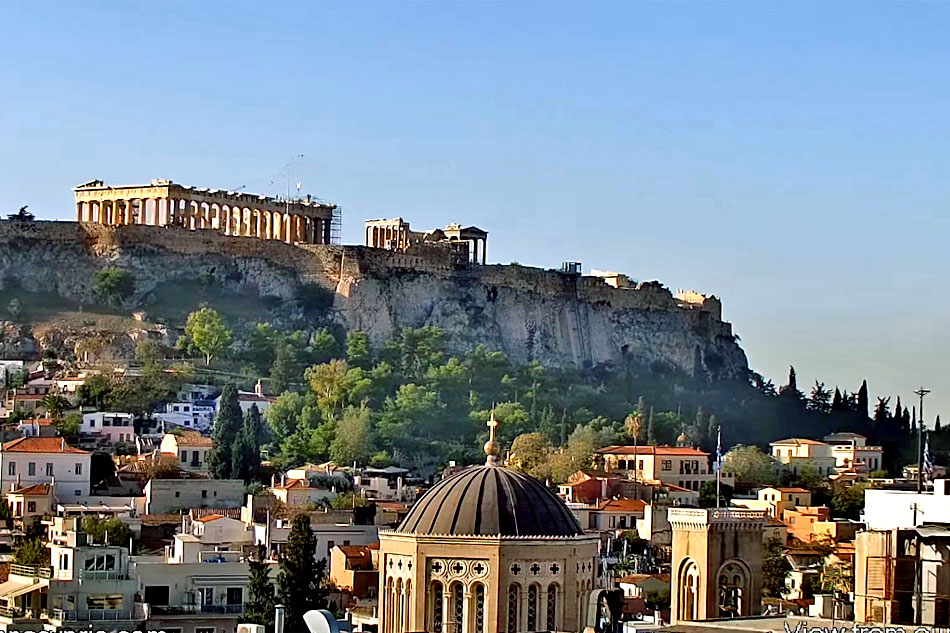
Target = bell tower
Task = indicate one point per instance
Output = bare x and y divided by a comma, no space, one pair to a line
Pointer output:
717,563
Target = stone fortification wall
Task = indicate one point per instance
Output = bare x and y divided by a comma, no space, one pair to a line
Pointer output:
528,313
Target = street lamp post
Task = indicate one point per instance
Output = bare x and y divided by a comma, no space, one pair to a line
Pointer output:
920,433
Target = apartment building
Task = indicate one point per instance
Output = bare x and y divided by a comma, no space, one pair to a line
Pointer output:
43,460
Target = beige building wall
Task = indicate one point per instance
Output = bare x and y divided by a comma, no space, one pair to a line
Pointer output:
716,563
495,579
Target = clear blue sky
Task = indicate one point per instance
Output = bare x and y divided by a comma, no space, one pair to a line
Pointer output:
791,158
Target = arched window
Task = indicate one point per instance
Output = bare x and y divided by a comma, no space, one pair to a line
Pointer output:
514,604
388,606
533,607
456,612
398,603
406,602
551,613
479,608
435,607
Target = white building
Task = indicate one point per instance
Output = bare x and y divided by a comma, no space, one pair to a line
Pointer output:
197,416
328,535
107,427
42,460
200,584
889,509
796,452
171,495
385,484
87,587
851,450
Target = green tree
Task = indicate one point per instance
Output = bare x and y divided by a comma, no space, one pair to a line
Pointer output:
206,332
848,501
301,582
32,552
54,404
358,350
246,451
68,425
227,425
353,441
259,606
531,452
657,600
775,568
820,399
114,531
94,390
284,370
349,500
707,495
114,284
862,399
749,465
283,416
148,350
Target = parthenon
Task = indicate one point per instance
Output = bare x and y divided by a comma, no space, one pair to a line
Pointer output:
165,203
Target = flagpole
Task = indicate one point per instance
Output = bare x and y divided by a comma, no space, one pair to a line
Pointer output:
718,464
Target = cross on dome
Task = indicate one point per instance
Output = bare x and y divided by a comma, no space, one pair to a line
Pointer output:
491,446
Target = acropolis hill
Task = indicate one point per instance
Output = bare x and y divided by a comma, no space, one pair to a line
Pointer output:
257,258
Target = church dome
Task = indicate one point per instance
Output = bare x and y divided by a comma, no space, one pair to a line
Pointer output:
490,501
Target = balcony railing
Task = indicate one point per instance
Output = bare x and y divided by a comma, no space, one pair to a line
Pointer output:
102,575
11,612
31,571
195,609
92,615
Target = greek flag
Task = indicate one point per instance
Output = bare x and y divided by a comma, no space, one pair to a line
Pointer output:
928,466
718,465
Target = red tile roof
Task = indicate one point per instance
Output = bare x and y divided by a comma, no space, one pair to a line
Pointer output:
40,445
40,421
796,441
651,450
622,505
36,490
792,490
209,518
193,438
357,551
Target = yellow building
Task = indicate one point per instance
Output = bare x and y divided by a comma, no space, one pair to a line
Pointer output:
680,466
487,550
774,501
31,503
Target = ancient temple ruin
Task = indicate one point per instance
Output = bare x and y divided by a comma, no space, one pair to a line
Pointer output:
395,235
165,203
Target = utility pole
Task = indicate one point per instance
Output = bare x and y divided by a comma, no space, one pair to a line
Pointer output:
920,433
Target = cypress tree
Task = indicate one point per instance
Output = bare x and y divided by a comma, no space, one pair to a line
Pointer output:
863,402
301,583
836,401
259,607
651,429
227,425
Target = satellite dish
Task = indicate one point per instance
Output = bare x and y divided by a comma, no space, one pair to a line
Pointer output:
322,621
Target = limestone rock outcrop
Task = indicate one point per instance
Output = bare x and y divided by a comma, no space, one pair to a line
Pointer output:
528,313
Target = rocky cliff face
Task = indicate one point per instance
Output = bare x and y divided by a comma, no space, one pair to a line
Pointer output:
527,313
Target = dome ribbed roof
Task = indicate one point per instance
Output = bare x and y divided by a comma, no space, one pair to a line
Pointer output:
490,501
